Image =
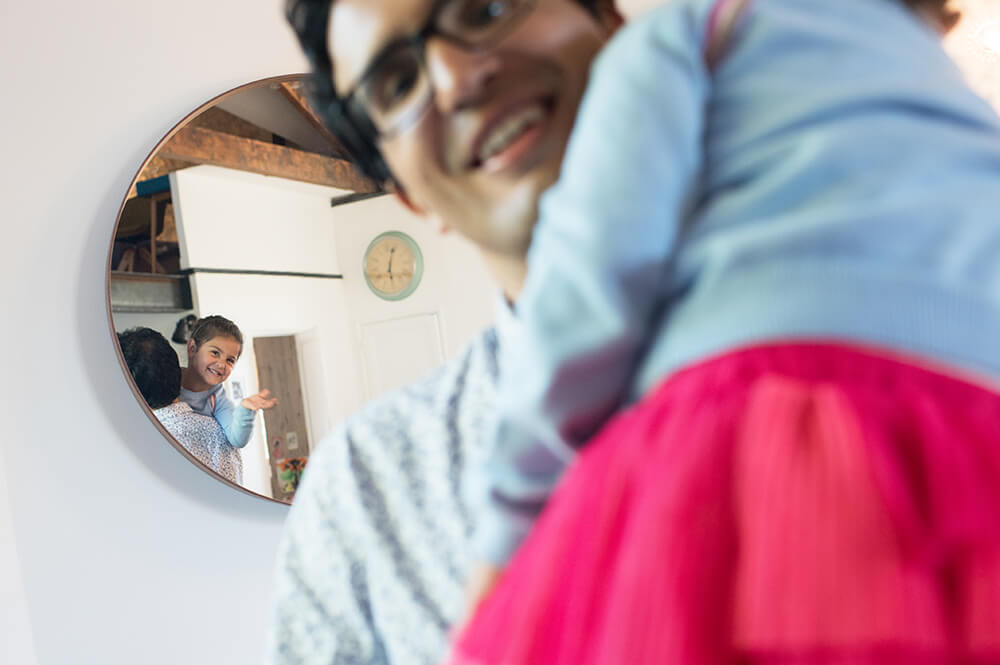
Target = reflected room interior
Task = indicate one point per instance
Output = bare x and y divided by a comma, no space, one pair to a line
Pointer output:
250,209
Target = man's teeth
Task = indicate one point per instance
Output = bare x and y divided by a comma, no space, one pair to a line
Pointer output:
505,133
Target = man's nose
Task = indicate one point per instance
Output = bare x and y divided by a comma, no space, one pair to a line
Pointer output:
459,76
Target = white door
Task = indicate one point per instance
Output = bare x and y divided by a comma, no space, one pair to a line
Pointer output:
397,352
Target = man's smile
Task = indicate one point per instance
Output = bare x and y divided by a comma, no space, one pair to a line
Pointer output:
506,138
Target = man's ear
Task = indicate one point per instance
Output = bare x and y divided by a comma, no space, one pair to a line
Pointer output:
191,347
608,15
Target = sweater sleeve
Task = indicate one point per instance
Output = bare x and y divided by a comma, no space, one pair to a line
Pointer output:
598,264
236,421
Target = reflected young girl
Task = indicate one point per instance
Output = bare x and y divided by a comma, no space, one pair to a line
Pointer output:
213,349
156,371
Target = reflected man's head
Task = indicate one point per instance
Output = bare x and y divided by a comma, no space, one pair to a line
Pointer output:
153,364
463,106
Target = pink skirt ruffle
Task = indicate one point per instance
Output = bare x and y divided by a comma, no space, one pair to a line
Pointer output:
788,504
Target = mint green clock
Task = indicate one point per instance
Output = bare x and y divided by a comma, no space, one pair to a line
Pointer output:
393,265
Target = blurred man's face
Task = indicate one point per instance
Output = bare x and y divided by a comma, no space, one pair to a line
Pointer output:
492,138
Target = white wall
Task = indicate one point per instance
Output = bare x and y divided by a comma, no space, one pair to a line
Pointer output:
125,552
233,219
16,645
455,283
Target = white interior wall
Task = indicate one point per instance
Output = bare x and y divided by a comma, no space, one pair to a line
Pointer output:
455,282
238,220
125,552
16,645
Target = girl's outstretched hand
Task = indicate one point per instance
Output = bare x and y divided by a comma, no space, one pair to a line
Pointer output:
261,400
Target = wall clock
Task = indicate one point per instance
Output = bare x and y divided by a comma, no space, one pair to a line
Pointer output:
393,265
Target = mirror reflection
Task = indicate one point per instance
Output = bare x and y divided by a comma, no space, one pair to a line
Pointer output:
260,289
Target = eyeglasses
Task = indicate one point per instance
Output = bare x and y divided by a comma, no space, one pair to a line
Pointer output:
395,89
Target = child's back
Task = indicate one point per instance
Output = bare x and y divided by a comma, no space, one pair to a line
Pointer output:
834,177
850,188
772,254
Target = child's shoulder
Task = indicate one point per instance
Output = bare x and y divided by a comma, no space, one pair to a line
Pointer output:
204,401
666,28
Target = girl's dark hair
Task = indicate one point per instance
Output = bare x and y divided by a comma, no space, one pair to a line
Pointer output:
153,364
215,326
309,19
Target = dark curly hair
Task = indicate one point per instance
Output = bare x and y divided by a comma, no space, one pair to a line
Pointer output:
153,364
309,19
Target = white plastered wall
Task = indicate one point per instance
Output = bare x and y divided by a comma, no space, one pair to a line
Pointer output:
15,627
124,551
455,284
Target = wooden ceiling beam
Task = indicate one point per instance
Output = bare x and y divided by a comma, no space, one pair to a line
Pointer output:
219,120
205,146
296,96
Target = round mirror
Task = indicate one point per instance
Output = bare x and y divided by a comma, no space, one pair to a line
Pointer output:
240,287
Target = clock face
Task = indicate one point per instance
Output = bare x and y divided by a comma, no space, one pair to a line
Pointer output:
393,265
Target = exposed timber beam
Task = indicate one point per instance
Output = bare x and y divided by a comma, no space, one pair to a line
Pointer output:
204,146
219,120
296,96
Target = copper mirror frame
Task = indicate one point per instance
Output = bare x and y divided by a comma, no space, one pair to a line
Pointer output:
335,171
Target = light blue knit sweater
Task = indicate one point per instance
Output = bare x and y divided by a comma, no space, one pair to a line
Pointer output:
833,179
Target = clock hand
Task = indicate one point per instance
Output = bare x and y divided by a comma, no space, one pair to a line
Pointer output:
391,252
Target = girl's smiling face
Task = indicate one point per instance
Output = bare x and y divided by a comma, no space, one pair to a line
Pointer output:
212,362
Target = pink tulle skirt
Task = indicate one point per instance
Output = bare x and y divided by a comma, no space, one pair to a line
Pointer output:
792,504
